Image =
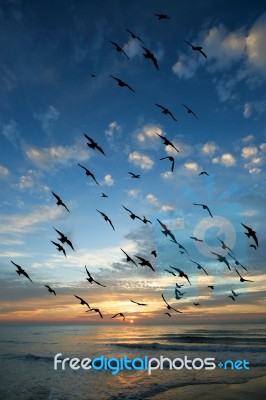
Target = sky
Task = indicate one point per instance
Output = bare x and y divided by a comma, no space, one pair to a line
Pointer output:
55,85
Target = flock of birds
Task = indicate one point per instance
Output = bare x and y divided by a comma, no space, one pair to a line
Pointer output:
176,272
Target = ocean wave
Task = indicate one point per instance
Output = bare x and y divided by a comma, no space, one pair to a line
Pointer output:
28,357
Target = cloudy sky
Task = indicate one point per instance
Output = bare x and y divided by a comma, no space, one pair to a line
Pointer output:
55,85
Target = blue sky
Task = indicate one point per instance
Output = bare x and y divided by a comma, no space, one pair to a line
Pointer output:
48,99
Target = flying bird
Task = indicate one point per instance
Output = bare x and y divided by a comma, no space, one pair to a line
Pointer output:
182,274
104,195
170,158
145,263
169,307
182,248
211,287
179,286
196,48
170,272
60,202
90,278
93,145
21,271
167,313
134,175
231,297
204,207
129,259
224,245
189,110
50,290
63,239
204,173
154,253
196,304
145,220
82,302
132,215
139,304
166,111
89,173
122,83
120,314
234,293
118,48
199,266
134,36
167,231
196,239
162,16
241,278
106,218
149,55
96,310
167,142
178,291
237,262
251,233
59,247
222,259
253,245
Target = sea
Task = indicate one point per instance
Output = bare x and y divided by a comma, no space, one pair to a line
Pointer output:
28,371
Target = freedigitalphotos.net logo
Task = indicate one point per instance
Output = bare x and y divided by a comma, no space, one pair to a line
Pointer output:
117,365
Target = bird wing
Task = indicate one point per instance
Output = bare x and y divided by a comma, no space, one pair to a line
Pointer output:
253,234
205,271
93,177
169,112
188,43
115,315
209,211
110,222
164,299
100,313
203,53
63,204
100,149
173,165
127,209
98,283
25,274
163,108
60,233
89,275
70,244
83,167
57,197
89,139
171,144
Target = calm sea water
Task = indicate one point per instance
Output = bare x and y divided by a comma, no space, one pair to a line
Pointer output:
27,358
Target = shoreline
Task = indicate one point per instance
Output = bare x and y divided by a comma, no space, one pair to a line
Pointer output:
253,389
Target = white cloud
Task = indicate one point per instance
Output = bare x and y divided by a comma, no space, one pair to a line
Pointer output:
166,175
157,204
47,157
227,159
3,171
148,134
247,110
191,166
141,160
11,133
48,118
254,170
113,128
209,148
133,193
256,45
26,181
248,139
249,151
132,48
26,223
108,180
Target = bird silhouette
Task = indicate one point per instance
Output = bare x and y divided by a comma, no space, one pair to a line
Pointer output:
167,313
196,239
162,16
182,274
118,48
196,304
139,304
129,259
132,215
106,218
204,207
179,286
50,290
231,297
145,263
170,307
60,202
82,302
199,266
204,173
253,245
170,272
93,145
189,110
59,247
222,259
134,36
21,271
224,246
166,111
241,278
237,262
96,310
167,142
234,293
181,248
170,158
134,175
120,314
251,233
167,231
104,195
90,278
122,83
211,287
149,55
89,173
196,48
145,220
179,292
63,239
154,253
